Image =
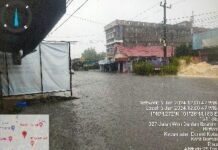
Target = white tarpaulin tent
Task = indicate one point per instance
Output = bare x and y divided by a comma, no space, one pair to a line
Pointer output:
45,70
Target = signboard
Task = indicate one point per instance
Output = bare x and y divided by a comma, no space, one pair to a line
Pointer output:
24,132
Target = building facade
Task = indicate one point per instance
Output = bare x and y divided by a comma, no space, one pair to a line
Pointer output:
206,43
132,33
125,57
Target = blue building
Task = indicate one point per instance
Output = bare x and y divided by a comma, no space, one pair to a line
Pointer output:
207,44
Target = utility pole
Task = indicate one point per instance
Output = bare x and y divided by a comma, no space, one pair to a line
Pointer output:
164,5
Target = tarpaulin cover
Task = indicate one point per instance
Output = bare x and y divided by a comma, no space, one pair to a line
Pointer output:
26,78
55,68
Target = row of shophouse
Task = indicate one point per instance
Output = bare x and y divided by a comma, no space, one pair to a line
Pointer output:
124,57
130,41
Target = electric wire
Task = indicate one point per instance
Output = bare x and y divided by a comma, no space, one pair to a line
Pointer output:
70,16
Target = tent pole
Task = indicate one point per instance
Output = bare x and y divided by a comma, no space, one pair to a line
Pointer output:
41,75
70,65
1,93
7,75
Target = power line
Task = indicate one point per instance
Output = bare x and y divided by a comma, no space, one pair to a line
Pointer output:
206,19
70,15
198,15
87,20
158,11
79,36
139,14
208,23
69,3
198,20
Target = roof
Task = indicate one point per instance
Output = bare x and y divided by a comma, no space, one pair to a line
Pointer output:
148,51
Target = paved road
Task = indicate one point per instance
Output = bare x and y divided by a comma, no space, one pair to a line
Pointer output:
109,115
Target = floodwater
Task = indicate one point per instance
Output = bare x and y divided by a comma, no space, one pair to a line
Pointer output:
109,116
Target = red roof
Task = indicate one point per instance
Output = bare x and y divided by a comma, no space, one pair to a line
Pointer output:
148,51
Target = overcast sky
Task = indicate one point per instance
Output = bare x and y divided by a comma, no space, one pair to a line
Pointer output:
87,27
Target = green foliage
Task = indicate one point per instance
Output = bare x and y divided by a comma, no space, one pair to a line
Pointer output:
77,64
174,61
101,55
187,59
170,69
183,50
91,55
143,68
90,67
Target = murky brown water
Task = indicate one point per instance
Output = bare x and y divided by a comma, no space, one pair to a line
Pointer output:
109,116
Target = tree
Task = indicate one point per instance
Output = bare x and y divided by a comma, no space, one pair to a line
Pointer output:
101,55
90,55
184,50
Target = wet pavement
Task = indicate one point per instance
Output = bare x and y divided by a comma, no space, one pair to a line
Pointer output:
109,116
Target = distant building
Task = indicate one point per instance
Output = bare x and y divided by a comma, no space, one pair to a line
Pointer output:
204,40
125,57
132,33
207,45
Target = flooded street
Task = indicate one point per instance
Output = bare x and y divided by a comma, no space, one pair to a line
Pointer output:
109,116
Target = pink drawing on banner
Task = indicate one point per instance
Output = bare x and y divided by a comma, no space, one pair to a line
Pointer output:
24,133
32,142
10,138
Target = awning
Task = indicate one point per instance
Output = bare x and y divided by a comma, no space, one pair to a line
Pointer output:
121,57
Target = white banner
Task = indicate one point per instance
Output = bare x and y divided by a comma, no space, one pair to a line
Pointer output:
55,66
26,78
